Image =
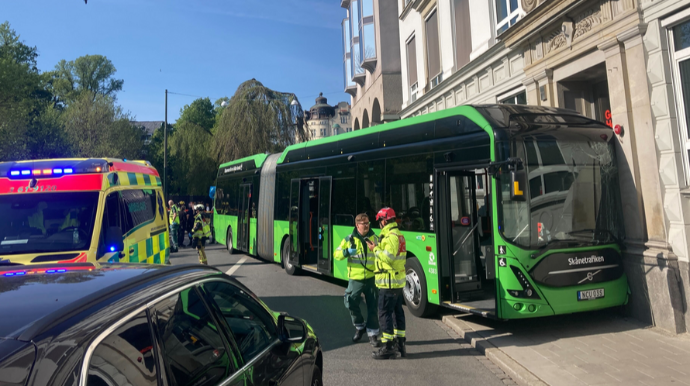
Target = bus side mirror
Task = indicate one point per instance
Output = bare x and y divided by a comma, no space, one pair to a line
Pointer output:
113,240
518,180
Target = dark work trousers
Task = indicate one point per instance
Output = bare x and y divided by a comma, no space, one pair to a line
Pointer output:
353,297
391,315
180,236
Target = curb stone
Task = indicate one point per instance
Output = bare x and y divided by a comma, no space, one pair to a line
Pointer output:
520,374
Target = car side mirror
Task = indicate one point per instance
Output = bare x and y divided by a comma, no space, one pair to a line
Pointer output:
291,330
113,240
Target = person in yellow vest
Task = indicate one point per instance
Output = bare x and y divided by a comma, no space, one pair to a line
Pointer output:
199,234
390,252
360,272
174,217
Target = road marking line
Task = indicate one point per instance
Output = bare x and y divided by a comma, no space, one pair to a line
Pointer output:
236,266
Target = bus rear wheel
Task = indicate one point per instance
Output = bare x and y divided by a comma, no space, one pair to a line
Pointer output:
291,269
415,290
228,241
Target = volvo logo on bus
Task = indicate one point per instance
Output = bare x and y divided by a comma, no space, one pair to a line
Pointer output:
585,260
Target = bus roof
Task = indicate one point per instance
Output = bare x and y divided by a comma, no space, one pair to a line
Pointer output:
466,110
257,158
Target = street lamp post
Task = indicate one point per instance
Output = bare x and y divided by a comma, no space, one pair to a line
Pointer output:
165,147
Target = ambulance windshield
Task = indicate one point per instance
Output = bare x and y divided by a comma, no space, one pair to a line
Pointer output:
47,222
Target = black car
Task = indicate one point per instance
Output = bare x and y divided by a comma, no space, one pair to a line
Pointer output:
117,325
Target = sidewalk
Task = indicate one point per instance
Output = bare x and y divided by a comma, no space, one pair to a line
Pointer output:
597,348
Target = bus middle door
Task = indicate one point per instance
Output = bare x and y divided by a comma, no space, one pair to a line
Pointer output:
457,229
324,222
243,217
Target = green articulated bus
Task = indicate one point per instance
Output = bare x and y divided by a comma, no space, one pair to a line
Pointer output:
508,211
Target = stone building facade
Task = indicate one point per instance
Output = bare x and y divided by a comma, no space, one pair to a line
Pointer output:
371,61
323,120
451,56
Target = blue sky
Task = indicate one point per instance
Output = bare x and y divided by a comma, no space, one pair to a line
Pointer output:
201,48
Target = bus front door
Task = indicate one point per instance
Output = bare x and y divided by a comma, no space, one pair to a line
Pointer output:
457,231
293,258
324,222
243,217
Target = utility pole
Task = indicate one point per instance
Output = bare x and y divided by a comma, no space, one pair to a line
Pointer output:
165,148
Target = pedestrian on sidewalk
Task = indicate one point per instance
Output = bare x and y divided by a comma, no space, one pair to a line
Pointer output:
390,253
199,234
174,218
360,272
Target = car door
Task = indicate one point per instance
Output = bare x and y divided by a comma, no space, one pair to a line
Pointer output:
193,348
267,360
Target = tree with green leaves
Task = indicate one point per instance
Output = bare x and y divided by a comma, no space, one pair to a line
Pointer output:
256,120
93,74
192,167
199,112
97,127
27,116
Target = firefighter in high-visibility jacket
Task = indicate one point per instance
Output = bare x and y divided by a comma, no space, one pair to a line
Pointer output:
360,272
391,253
200,233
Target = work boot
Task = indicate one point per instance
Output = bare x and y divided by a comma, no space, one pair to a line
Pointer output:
358,335
374,341
401,346
385,352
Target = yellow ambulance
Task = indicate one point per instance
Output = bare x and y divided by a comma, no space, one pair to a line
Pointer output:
82,210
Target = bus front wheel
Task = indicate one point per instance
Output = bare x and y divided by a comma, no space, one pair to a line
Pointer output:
228,241
291,269
415,289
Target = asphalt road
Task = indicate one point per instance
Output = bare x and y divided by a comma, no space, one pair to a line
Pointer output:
434,356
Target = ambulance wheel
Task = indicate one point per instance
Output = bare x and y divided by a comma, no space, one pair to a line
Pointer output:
284,257
415,290
228,241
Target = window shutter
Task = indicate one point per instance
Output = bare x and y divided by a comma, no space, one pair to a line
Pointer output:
432,49
412,61
463,33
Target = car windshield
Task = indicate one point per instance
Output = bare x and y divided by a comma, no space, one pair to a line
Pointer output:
571,194
47,222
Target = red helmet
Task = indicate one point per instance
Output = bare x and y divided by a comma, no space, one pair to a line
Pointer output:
385,214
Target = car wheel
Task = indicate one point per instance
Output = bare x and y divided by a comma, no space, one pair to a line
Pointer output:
415,289
228,241
284,257
316,378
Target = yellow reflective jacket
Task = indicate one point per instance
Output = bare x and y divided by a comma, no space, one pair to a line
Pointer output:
360,266
198,231
391,253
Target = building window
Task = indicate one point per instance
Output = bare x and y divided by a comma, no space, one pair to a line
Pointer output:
433,53
463,32
517,99
680,43
367,37
347,60
313,133
343,119
412,68
354,32
507,14
323,132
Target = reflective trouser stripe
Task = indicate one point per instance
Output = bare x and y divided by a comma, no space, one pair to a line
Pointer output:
385,282
399,333
387,337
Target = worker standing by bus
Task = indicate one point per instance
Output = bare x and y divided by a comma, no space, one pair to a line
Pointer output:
199,234
174,224
390,253
360,272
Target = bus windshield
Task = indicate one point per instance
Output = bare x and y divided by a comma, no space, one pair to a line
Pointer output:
47,222
572,189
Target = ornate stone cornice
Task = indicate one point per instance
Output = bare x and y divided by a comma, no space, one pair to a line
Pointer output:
609,46
544,74
543,15
633,36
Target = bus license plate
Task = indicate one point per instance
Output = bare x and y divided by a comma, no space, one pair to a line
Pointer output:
590,294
